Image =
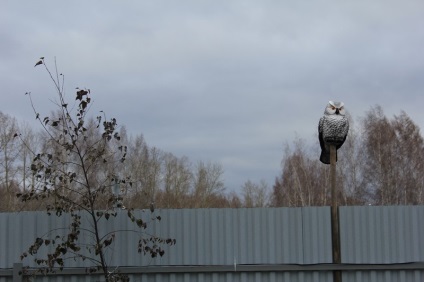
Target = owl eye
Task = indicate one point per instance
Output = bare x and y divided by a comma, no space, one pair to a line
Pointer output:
333,108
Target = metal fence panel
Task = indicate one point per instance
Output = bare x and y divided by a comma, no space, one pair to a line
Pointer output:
237,239
203,277
384,276
383,234
317,235
204,236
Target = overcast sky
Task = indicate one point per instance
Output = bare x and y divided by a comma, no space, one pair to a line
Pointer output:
222,81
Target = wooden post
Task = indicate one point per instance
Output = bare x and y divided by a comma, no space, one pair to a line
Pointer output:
337,275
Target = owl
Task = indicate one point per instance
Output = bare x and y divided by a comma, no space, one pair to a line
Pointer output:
332,129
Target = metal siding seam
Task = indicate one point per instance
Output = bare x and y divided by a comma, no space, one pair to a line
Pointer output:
174,223
315,245
31,231
233,239
134,259
252,238
417,224
357,247
237,236
184,217
305,243
420,234
277,236
281,235
194,237
223,254
270,241
208,237
200,236
349,236
227,218
342,226
208,259
327,219
324,227
175,227
290,235
247,238
216,230
297,235
293,241
413,222
371,227
261,254
382,235
257,235
391,245
400,238
6,257
244,237
230,239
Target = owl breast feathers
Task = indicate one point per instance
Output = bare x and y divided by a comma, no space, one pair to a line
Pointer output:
332,129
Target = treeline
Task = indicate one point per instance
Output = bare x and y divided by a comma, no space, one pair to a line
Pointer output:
156,177
381,163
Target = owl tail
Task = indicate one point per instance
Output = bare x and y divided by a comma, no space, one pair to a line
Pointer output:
325,156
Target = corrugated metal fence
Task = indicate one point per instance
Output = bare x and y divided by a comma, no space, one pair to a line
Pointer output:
261,244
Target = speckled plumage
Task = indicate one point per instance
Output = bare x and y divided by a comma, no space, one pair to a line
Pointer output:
332,129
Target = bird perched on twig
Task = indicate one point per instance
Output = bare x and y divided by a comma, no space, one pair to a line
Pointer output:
332,129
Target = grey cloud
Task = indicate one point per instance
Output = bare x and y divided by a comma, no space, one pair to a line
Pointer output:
224,81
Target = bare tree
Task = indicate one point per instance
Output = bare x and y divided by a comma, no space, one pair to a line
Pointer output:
208,183
234,200
255,194
378,143
303,181
145,167
409,152
8,156
26,148
393,158
177,181
349,169
75,173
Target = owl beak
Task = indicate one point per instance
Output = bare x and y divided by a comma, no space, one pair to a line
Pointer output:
337,111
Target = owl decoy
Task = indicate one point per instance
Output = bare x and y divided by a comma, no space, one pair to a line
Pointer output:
332,129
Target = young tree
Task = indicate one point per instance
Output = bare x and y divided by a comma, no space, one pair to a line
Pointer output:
75,173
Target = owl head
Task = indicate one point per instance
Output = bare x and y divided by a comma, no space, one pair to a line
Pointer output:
335,108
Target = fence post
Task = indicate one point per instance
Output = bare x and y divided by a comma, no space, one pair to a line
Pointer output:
17,272
335,232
